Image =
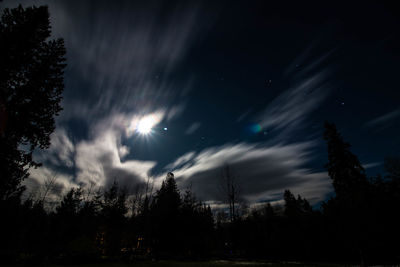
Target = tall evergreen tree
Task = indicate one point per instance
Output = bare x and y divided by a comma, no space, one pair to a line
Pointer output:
268,211
295,207
291,207
113,211
166,219
31,84
343,166
167,199
349,210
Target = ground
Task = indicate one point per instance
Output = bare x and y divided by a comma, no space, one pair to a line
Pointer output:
219,263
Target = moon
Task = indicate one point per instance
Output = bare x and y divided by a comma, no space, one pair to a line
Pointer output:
145,125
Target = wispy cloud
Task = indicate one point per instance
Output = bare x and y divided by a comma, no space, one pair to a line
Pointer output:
192,128
130,53
385,120
262,172
372,164
243,115
290,109
61,151
180,161
99,160
175,111
122,58
39,186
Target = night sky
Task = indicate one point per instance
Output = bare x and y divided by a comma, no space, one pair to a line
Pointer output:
247,84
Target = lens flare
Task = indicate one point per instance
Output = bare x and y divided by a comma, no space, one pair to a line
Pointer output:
255,128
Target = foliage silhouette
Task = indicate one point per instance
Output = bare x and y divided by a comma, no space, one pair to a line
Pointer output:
31,84
343,167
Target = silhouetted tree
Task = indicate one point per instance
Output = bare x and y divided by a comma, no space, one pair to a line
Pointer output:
392,167
189,203
167,199
291,205
165,211
349,210
113,211
296,207
268,211
67,221
343,167
197,225
230,188
71,203
114,202
31,84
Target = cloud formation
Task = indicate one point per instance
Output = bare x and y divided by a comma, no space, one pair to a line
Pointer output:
48,185
290,109
384,120
99,160
192,128
61,151
262,172
129,53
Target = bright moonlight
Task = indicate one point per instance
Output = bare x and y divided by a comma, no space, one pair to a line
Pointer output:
145,125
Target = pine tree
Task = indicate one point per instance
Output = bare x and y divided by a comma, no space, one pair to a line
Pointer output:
189,203
343,166
114,203
165,212
113,213
291,207
349,210
268,211
168,199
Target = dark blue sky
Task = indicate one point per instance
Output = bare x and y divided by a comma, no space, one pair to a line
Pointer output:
243,83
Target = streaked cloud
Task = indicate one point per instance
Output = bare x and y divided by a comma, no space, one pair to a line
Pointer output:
180,161
243,115
48,185
99,160
175,111
262,172
372,164
192,128
61,152
290,109
385,120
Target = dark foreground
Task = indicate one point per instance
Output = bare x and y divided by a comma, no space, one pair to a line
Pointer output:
216,263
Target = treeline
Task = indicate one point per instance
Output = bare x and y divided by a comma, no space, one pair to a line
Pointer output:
109,224
359,224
